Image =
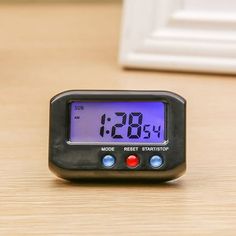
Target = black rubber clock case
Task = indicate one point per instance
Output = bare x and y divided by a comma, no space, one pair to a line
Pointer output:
76,150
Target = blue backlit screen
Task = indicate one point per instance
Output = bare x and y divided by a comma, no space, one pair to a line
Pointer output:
117,122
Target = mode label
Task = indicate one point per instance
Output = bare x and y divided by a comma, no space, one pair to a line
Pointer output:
108,149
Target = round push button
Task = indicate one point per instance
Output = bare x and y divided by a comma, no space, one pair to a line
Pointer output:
132,161
108,161
156,161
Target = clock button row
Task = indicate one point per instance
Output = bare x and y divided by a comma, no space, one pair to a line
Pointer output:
132,161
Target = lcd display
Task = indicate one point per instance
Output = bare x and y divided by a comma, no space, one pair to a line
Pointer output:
117,121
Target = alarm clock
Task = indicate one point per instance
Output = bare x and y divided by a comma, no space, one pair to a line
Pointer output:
117,135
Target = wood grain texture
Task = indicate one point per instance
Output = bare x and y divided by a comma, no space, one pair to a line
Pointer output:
45,49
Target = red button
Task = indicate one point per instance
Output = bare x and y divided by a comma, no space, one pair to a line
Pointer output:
132,161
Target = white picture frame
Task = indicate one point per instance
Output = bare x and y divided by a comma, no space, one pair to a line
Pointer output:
182,35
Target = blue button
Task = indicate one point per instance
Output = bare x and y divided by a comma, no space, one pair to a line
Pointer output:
156,161
108,161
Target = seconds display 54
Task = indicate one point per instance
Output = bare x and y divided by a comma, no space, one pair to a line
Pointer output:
132,122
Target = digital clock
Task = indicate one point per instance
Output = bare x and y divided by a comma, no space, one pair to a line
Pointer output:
117,134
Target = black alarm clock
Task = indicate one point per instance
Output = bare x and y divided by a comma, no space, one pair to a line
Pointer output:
117,135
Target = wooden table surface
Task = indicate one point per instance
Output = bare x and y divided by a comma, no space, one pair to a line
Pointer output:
45,49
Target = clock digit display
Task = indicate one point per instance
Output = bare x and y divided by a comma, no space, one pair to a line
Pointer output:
110,122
